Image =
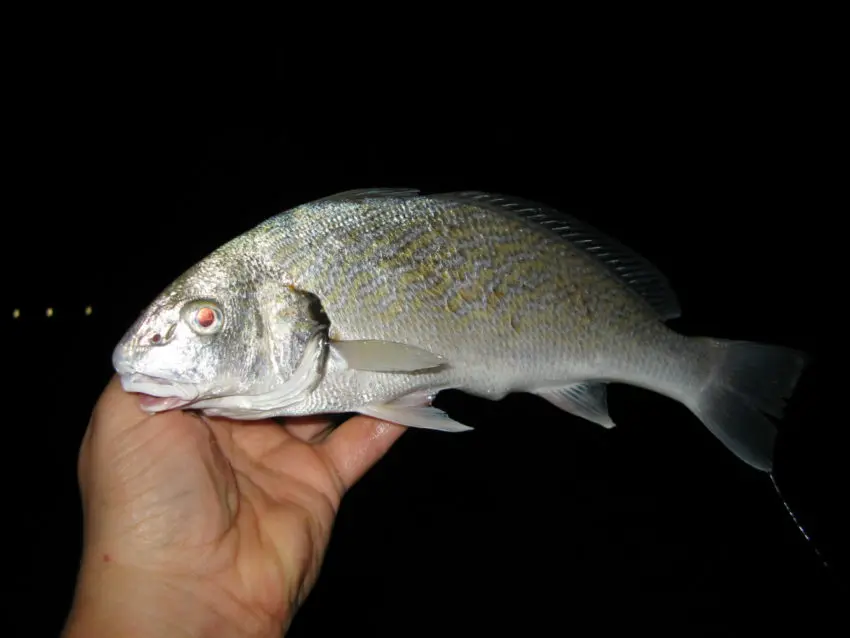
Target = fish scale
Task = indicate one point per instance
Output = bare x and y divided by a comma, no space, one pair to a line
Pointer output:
375,300
557,276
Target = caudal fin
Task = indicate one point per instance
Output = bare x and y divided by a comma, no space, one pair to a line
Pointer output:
748,381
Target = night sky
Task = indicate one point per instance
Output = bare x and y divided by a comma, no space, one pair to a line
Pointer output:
124,172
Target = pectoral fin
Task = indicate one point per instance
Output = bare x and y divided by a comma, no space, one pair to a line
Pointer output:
386,356
586,400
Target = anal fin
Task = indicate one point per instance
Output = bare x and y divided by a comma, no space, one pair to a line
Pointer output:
587,400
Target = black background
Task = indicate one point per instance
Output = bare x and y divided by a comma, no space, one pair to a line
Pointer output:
128,162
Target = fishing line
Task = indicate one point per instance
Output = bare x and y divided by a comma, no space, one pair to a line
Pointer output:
808,538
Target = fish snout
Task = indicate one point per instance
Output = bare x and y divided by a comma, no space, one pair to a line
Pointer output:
121,358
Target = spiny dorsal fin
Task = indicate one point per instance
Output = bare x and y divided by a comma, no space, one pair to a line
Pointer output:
369,193
635,271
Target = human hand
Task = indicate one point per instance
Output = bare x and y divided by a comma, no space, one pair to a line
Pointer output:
199,526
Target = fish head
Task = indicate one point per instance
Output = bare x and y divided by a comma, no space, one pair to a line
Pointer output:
203,337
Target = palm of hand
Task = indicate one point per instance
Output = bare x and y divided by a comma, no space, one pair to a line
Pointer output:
241,511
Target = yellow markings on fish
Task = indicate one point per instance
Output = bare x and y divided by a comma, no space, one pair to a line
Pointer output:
454,303
472,293
516,323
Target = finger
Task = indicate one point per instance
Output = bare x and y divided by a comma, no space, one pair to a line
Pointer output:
356,445
114,408
117,408
114,411
253,438
118,413
307,428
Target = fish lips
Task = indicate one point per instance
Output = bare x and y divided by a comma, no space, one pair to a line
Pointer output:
158,395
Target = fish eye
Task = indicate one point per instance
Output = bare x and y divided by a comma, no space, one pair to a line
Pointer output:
204,317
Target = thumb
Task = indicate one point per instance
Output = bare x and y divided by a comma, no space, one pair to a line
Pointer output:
356,445
115,410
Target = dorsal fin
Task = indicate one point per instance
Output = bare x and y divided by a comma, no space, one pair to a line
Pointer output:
635,271
367,193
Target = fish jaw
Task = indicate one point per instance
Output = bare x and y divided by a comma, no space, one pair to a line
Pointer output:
156,394
152,404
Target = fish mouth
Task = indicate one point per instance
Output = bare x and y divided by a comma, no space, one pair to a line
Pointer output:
157,394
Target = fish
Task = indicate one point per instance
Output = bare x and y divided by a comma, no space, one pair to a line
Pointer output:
375,300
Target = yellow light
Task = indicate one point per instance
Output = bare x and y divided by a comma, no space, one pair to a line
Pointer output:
50,312
16,313
88,310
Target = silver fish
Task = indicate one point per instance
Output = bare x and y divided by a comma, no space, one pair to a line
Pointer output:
373,301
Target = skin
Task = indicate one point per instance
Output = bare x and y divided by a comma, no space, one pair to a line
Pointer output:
198,526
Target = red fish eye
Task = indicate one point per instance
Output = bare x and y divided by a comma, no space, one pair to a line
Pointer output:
156,338
205,317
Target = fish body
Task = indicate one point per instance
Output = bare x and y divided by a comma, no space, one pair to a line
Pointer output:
374,301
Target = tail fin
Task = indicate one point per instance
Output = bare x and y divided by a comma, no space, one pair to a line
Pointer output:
747,381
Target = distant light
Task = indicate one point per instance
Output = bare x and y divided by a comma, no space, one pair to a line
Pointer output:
50,312
88,310
16,313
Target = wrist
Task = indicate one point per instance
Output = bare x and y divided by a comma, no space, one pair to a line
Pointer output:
114,600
